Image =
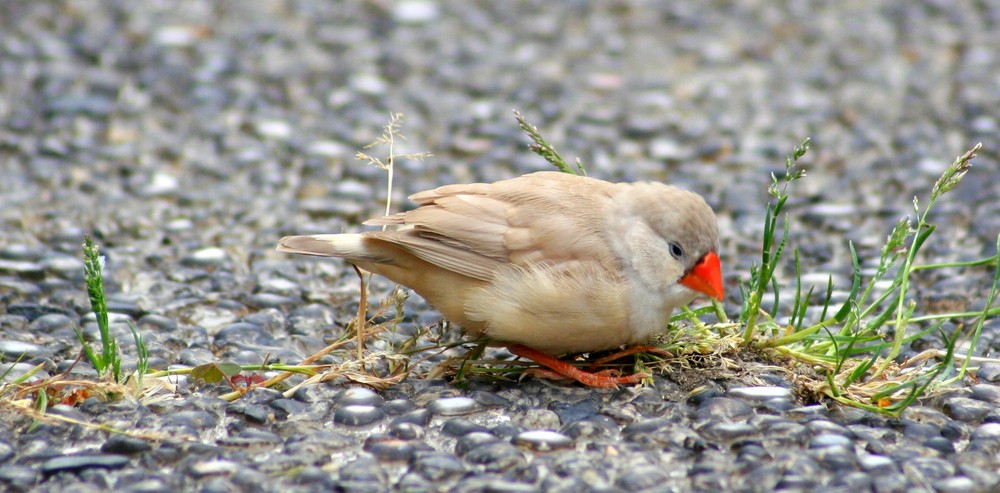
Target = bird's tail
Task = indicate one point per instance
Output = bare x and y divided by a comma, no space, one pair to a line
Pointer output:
351,246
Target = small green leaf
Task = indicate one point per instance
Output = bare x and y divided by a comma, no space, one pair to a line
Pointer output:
214,372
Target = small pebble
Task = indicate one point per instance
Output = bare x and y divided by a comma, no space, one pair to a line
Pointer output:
83,461
215,467
360,396
543,440
357,415
761,394
457,427
12,350
436,466
966,409
389,449
453,406
416,11
205,257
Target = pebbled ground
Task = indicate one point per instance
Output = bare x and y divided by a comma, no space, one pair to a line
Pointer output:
188,137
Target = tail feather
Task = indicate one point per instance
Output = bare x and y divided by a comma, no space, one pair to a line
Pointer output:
351,246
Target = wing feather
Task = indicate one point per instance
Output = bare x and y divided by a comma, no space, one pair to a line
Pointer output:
476,229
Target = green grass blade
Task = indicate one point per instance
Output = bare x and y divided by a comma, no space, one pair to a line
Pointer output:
855,287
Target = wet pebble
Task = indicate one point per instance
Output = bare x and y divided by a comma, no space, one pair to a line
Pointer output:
538,419
205,257
83,461
406,431
31,311
941,444
195,356
495,456
506,430
19,251
727,432
806,412
357,415
928,469
271,320
159,184
835,458
6,451
360,396
291,407
724,408
591,428
986,393
543,440
310,319
18,478
436,466
457,427
642,479
214,467
415,12
761,394
242,333
22,268
878,464
211,318
853,481
389,449
271,301
26,289
363,470
396,407
987,431
573,411
471,441
829,440
274,129
453,406
63,266
421,417
13,350
157,322
989,372
913,429
957,484
925,414
966,409
818,426
281,287
191,419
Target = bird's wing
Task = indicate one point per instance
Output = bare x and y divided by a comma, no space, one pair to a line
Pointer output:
475,229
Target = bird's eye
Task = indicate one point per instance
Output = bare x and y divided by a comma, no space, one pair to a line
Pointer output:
676,250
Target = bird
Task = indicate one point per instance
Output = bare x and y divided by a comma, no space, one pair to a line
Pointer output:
548,263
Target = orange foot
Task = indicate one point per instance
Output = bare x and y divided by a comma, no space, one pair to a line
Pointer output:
602,379
628,352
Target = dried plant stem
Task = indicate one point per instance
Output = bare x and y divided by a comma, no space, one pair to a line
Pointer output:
359,323
231,396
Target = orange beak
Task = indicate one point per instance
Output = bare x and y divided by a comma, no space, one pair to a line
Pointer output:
706,277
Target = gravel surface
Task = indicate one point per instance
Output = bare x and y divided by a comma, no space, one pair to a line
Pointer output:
189,136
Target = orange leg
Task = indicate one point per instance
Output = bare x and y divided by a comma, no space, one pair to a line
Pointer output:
628,352
601,379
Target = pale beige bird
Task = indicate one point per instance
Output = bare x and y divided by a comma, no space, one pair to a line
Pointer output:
548,263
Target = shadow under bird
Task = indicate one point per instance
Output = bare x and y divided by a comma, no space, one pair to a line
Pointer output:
547,263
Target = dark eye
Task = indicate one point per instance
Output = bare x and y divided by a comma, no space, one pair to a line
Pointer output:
676,250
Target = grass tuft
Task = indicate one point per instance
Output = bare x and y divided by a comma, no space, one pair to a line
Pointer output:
390,132
545,150
107,362
856,349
